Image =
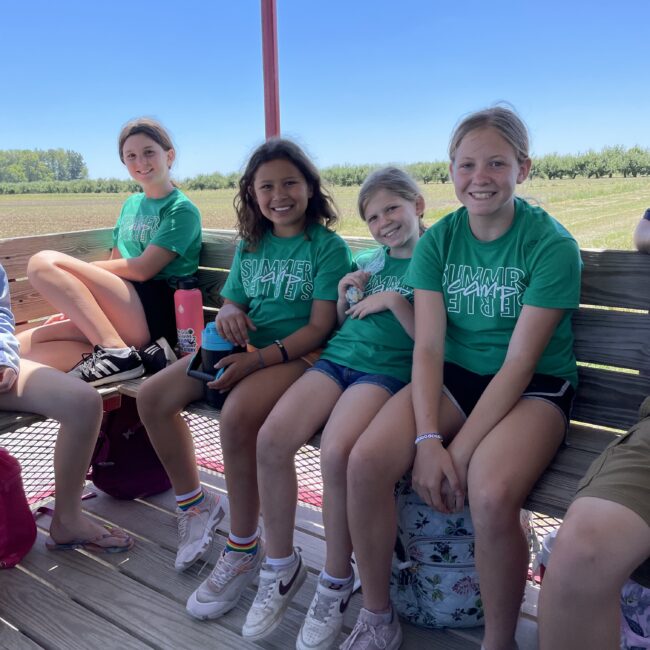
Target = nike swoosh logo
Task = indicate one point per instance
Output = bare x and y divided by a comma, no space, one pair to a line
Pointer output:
344,604
282,588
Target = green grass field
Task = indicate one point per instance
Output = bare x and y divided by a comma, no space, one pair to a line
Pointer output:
601,213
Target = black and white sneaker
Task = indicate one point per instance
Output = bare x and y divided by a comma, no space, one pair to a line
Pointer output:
157,355
101,367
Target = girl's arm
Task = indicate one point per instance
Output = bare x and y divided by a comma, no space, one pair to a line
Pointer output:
433,462
305,339
531,335
402,309
9,347
357,279
642,236
233,322
141,268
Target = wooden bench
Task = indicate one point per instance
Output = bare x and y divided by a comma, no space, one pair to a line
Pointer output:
612,332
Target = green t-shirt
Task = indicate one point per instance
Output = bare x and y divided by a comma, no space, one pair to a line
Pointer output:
376,344
485,285
279,280
172,222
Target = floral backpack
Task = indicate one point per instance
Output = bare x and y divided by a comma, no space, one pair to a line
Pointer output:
434,582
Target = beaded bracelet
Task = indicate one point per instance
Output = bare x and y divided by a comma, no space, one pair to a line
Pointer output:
283,350
434,435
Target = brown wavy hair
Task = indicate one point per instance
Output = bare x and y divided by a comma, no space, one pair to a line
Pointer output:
252,225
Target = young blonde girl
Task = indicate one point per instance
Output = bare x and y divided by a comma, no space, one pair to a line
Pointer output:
280,300
366,361
493,379
111,306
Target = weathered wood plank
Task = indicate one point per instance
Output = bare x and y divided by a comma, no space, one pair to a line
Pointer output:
10,638
88,245
615,279
609,399
27,304
55,620
143,613
613,338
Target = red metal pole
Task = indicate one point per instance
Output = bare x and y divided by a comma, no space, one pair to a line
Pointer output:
270,64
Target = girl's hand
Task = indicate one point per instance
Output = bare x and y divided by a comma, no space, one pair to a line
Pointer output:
233,324
8,378
357,279
432,469
374,303
236,367
55,318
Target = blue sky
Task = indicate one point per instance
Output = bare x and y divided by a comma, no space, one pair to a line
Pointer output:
360,80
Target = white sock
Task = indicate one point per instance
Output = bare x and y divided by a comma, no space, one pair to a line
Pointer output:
326,577
280,562
118,352
243,541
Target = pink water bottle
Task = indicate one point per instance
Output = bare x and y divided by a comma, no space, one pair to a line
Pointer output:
188,304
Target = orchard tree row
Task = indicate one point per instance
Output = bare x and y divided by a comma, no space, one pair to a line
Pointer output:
59,171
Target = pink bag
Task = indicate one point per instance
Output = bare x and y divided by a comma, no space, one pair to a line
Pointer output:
17,525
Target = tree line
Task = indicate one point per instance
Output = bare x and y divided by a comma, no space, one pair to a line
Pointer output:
59,171
33,166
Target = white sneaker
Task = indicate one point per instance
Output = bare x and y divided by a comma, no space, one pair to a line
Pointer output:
231,575
196,528
371,633
274,593
324,619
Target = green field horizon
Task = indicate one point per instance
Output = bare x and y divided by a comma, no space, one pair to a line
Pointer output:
600,213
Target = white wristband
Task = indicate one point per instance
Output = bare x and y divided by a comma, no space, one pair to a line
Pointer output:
434,435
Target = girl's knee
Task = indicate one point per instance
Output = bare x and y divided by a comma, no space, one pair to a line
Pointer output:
334,461
364,469
493,506
41,261
82,407
271,448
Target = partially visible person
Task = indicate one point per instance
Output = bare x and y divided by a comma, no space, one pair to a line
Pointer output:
604,538
492,385
29,386
367,360
280,305
642,233
111,307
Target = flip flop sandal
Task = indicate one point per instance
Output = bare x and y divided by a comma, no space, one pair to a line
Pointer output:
97,544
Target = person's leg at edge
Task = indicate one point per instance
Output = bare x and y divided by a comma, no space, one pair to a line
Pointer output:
287,428
380,458
243,414
78,408
104,307
351,416
160,401
501,473
579,601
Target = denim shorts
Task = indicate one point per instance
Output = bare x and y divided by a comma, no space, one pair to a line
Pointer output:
346,377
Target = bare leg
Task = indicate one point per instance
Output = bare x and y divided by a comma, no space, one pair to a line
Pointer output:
242,416
160,401
78,407
104,307
380,458
501,473
286,429
351,416
59,345
579,602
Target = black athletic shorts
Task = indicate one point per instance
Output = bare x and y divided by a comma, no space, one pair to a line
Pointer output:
464,388
157,299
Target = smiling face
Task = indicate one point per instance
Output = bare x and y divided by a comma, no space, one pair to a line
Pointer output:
394,221
485,172
282,194
148,164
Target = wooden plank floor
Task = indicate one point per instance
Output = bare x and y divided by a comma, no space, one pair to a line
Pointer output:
74,600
